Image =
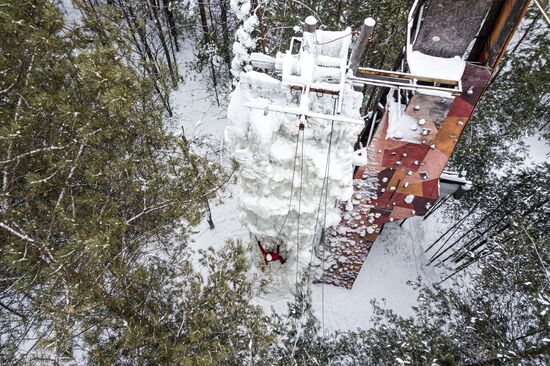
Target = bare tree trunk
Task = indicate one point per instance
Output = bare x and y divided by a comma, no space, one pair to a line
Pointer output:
212,23
171,23
204,22
457,256
172,37
487,216
338,13
138,28
453,228
436,207
209,215
153,5
259,11
214,81
225,32
196,171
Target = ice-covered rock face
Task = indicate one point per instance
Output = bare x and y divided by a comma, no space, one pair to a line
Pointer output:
265,142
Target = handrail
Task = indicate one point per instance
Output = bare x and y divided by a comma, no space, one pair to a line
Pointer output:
410,19
411,85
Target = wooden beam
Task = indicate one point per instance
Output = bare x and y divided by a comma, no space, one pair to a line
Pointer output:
316,90
505,27
403,75
361,44
500,24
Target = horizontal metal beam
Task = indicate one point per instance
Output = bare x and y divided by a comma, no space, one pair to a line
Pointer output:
302,112
367,71
402,85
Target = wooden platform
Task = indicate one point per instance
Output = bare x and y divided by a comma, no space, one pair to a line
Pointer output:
449,26
400,170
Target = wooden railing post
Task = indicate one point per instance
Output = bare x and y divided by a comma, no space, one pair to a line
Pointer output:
361,44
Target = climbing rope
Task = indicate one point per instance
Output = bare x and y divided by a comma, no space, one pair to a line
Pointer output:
291,185
327,174
298,232
299,205
324,188
335,39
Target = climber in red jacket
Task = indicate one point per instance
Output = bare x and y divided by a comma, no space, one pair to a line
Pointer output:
271,256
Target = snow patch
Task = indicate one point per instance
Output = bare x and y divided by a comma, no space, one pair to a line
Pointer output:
401,126
435,67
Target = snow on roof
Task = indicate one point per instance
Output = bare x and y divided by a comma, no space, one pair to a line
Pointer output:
435,67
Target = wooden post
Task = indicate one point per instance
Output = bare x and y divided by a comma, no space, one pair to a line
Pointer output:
361,44
311,24
306,64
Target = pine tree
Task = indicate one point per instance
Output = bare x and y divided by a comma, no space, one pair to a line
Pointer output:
98,200
520,193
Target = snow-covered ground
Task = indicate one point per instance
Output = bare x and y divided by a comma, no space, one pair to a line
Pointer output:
538,150
396,260
194,103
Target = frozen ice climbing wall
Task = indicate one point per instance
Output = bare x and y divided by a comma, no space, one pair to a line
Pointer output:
265,142
268,146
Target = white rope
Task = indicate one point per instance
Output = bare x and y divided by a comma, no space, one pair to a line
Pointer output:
324,188
299,208
324,228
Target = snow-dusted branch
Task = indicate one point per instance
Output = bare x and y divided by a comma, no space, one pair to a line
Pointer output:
32,152
6,90
69,177
146,210
44,180
17,233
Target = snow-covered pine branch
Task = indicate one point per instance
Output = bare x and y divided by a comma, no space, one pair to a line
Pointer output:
245,42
